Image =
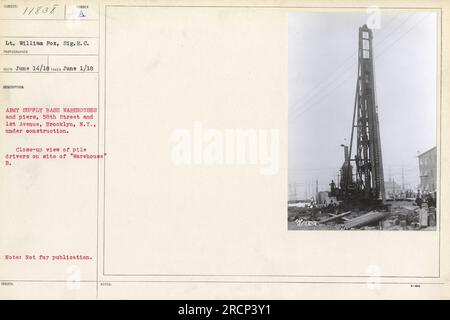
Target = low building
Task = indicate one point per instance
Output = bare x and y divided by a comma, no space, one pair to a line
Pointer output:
323,197
428,170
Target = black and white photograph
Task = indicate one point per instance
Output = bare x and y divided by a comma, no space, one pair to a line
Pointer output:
363,120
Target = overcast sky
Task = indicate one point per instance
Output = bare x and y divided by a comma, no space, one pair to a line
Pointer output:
322,80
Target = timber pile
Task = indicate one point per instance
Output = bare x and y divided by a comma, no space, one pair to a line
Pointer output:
365,219
334,217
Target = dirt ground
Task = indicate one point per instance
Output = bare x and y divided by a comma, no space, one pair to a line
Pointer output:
403,215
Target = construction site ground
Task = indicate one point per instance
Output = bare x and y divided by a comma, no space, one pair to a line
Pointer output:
403,215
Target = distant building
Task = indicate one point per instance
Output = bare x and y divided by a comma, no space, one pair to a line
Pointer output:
427,169
323,197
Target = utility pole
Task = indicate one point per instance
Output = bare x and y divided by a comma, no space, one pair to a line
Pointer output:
317,190
306,191
403,180
393,186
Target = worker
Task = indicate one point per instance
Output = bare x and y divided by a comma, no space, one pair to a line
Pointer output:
331,204
419,201
333,187
430,201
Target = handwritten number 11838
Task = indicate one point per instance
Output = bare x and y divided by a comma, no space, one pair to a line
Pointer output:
40,10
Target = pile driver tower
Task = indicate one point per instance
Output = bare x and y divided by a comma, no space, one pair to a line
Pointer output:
366,184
